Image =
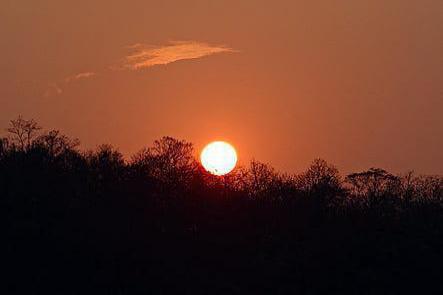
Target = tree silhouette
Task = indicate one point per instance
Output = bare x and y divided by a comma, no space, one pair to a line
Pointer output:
91,222
373,182
23,132
321,181
169,160
56,143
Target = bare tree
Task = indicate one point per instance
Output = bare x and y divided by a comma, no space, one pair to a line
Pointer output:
261,177
168,160
107,162
428,188
320,176
56,143
374,181
4,146
23,132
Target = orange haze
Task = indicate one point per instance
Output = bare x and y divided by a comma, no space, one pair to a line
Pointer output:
359,83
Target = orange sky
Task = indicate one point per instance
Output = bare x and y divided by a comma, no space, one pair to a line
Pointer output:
359,83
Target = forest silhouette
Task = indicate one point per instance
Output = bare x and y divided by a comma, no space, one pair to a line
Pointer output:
81,222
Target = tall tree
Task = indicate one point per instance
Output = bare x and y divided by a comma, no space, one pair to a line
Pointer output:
23,132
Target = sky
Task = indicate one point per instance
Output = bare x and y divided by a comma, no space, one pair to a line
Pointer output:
356,82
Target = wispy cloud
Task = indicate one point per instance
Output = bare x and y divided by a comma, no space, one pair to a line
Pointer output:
53,89
144,56
80,76
56,88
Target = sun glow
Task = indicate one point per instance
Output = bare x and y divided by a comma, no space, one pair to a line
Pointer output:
218,158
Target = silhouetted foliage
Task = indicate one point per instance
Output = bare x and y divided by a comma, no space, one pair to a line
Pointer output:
92,222
23,132
169,161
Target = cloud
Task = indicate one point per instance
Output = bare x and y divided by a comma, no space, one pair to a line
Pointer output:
144,56
53,90
79,76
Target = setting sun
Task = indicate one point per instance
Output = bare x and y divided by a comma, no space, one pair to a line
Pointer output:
218,158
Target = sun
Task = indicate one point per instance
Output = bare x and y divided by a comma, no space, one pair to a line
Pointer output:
218,158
